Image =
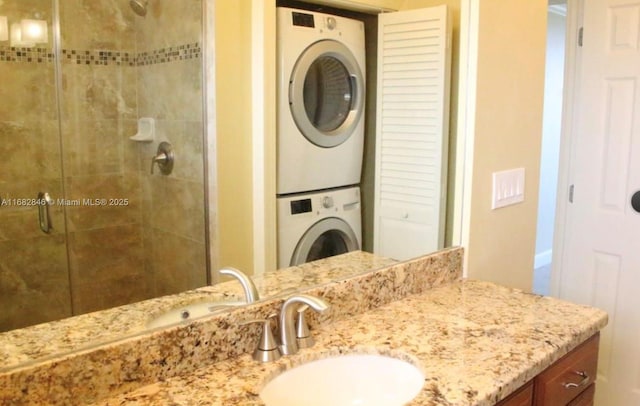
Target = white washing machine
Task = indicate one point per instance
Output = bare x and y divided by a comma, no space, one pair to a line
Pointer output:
321,99
318,225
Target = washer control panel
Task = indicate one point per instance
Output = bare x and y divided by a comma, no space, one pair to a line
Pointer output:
306,205
300,206
308,20
323,203
303,19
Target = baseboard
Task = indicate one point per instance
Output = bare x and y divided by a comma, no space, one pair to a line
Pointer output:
542,259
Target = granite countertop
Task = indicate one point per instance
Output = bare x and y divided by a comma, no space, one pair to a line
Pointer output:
476,342
35,344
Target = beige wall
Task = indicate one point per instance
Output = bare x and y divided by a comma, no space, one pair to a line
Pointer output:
233,100
508,128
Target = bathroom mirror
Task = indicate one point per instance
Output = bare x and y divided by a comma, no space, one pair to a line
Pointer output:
114,233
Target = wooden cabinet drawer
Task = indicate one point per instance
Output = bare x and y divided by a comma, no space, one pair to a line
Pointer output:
586,398
522,397
562,382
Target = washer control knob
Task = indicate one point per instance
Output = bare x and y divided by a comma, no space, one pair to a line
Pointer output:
331,23
327,202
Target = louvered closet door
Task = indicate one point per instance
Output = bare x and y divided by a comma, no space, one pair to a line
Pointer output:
412,132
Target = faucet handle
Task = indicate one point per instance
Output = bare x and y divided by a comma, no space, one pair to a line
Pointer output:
303,336
267,349
164,158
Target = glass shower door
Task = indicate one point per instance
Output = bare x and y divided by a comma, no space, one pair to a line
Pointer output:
68,108
34,279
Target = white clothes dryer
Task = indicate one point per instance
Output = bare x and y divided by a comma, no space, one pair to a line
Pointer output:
321,99
318,225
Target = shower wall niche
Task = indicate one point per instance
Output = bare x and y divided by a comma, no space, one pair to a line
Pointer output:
120,234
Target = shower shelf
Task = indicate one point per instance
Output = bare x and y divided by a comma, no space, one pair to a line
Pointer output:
146,130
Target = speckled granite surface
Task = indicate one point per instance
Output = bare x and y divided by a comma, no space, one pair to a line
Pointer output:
99,372
476,342
23,347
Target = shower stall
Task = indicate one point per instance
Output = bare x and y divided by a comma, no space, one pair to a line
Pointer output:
84,223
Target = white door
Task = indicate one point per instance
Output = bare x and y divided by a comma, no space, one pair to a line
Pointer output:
414,57
600,261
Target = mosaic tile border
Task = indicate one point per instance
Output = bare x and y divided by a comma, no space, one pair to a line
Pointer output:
170,54
29,55
80,57
103,57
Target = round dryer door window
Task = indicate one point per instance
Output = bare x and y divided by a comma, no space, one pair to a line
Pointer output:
326,93
326,238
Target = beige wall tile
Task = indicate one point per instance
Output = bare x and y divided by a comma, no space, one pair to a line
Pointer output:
29,150
27,92
171,91
177,272
97,24
34,283
99,147
92,296
92,147
180,22
97,92
123,201
108,259
130,149
191,142
177,207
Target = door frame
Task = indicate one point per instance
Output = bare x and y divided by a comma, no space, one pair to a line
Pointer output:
467,100
567,137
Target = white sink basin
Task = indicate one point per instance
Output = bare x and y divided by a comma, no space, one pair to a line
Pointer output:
190,312
346,380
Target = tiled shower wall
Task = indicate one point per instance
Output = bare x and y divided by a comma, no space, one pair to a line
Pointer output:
169,81
116,67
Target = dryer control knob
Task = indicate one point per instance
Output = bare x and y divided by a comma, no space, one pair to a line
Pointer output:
327,202
331,23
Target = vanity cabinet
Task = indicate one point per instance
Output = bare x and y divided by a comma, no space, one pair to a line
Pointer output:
568,382
570,379
522,397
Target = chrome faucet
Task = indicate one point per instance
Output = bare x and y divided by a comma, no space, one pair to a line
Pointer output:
290,307
250,291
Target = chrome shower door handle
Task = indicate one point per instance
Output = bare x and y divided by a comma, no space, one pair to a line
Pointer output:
44,201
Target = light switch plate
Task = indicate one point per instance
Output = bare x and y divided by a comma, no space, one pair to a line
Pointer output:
508,188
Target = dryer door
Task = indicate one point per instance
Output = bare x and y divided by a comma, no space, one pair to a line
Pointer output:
326,93
326,238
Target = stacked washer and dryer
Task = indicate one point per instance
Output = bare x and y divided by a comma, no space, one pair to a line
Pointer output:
320,133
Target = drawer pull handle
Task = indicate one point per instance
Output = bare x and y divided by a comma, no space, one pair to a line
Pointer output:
583,382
